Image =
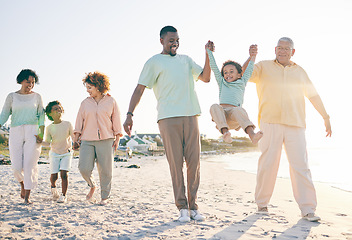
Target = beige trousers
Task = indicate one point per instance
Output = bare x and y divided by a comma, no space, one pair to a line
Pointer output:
102,153
293,138
181,140
230,117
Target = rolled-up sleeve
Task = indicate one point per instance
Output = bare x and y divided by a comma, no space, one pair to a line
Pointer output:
79,120
116,120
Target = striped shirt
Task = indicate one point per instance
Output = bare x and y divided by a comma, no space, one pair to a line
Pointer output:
230,92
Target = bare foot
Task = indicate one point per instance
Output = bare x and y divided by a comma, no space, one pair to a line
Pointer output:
90,194
256,137
27,202
227,137
22,190
22,193
103,202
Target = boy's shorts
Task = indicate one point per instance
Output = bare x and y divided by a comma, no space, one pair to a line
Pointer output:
60,161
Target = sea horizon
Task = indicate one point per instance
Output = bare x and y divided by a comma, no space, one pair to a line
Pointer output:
325,165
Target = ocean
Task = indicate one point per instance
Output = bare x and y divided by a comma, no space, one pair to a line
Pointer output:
328,165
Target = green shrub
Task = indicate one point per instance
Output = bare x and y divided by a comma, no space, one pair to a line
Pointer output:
3,140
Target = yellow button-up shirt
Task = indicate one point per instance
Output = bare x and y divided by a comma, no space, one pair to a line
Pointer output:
281,91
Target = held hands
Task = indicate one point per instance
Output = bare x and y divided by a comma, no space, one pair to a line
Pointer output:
210,45
39,138
253,51
75,146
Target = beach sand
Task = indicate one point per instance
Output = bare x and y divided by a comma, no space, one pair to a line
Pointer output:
142,207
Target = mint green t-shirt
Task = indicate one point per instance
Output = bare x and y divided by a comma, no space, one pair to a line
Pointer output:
25,109
172,79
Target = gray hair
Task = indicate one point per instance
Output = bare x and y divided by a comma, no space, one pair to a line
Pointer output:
287,39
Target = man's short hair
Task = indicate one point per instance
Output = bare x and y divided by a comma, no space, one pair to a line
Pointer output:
287,39
167,29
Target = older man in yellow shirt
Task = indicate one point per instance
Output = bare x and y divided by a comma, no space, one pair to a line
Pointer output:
281,88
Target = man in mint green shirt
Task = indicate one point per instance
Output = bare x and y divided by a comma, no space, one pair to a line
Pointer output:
172,77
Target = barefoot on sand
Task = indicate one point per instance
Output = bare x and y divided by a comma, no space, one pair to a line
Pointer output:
103,202
256,137
90,194
27,202
22,190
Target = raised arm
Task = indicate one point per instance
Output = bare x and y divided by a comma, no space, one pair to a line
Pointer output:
136,97
250,65
319,106
214,67
205,74
253,50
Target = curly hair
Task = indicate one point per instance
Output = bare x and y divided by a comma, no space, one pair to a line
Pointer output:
50,106
229,62
25,74
98,80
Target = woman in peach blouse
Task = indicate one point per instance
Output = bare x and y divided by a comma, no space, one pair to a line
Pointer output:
97,133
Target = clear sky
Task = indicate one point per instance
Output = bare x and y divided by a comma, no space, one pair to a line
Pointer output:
63,40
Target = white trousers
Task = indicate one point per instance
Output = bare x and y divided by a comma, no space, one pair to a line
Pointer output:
24,154
293,138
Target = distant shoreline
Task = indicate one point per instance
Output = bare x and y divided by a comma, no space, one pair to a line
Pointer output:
208,147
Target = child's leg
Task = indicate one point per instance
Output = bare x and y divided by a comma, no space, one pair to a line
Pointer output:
218,115
242,118
224,130
65,167
64,181
255,137
53,178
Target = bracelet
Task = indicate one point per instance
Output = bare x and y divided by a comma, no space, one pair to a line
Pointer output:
130,113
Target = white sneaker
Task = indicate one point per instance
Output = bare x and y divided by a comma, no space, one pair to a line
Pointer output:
184,216
311,217
55,193
195,215
62,199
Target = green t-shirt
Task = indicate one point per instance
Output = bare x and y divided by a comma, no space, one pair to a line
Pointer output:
25,109
172,79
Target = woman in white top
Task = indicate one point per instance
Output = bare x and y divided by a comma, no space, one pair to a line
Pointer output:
27,121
